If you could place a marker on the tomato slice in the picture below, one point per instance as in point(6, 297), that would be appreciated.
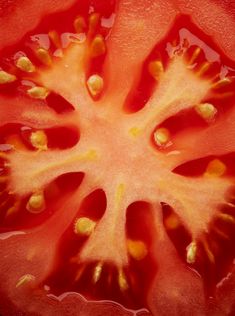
point(117, 158)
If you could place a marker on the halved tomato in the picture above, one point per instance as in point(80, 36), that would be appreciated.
point(117, 150)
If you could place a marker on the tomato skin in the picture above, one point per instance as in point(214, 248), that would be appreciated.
point(216, 18)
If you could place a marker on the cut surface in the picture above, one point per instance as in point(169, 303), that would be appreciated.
point(115, 175)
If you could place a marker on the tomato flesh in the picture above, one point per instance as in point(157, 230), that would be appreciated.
point(138, 162)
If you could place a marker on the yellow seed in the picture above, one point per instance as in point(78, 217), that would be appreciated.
point(191, 252)
point(3, 179)
point(98, 46)
point(80, 270)
point(97, 272)
point(25, 279)
point(206, 110)
point(226, 217)
point(36, 203)
point(79, 24)
point(5, 77)
point(161, 136)
point(95, 84)
point(205, 66)
point(54, 37)
point(137, 249)
point(44, 56)
point(13, 209)
point(156, 69)
point(215, 168)
point(134, 131)
point(220, 233)
point(94, 19)
point(195, 54)
point(3, 155)
point(38, 92)
point(25, 64)
point(172, 222)
point(38, 140)
point(122, 281)
point(208, 251)
point(84, 226)
point(221, 83)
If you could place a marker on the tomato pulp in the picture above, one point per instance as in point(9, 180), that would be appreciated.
point(117, 158)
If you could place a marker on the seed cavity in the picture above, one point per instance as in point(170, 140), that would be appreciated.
point(44, 56)
point(137, 249)
point(95, 84)
point(38, 93)
point(36, 203)
point(206, 110)
point(84, 226)
point(162, 136)
point(98, 46)
point(191, 252)
point(79, 24)
point(5, 77)
point(215, 168)
point(25, 64)
point(25, 279)
point(38, 140)
point(156, 69)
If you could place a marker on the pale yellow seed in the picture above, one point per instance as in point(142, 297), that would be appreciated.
point(25, 64)
point(79, 24)
point(5, 77)
point(156, 69)
point(122, 281)
point(226, 218)
point(137, 249)
point(191, 252)
point(208, 251)
point(84, 226)
point(95, 84)
point(221, 83)
point(3, 179)
point(44, 56)
point(204, 67)
point(55, 38)
point(98, 46)
point(206, 110)
point(38, 140)
point(93, 21)
point(161, 136)
point(36, 203)
point(195, 54)
point(25, 279)
point(97, 272)
point(172, 222)
point(38, 93)
point(134, 131)
point(215, 168)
